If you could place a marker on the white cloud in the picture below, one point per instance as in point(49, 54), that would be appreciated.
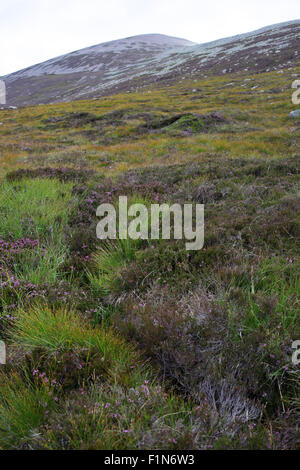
point(32, 31)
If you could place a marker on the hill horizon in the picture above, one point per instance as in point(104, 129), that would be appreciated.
point(139, 61)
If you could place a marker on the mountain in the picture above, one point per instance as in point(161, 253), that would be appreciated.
point(130, 63)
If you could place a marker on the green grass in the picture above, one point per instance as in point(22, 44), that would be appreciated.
point(63, 330)
point(26, 404)
point(114, 417)
point(41, 265)
point(37, 209)
point(23, 409)
point(112, 257)
point(34, 208)
point(278, 283)
point(108, 262)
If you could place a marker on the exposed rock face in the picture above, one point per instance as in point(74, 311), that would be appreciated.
point(129, 63)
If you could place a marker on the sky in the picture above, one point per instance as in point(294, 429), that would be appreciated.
point(32, 31)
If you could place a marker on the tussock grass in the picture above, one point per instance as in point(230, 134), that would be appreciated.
point(23, 409)
point(108, 262)
point(122, 419)
point(63, 330)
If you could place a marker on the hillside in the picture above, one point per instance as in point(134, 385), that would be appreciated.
point(132, 63)
point(137, 345)
point(85, 71)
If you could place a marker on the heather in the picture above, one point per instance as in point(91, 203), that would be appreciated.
point(141, 344)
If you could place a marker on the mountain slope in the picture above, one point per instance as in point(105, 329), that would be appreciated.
point(127, 64)
point(113, 54)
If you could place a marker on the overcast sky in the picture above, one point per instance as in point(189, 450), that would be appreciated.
point(32, 31)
